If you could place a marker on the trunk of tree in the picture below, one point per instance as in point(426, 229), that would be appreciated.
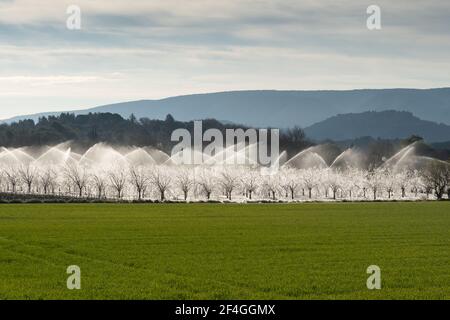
point(310, 193)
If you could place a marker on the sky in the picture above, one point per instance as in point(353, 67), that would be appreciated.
point(152, 49)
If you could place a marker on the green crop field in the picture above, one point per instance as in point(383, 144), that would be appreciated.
point(211, 251)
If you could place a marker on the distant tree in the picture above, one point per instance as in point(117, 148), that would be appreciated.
point(12, 176)
point(47, 178)
point(294, 140)
point(250, 182)
point(437, 177)
point(295, 135)
point(185, 181)
point(310, 180)
point(374, 180)
point(139, 178)
point(389, 181)
point(170, 118)
point(118, 180)
point(413, 139)
point(28, 175)
point(78, 176)
point(229, 181)
point(161, 180)
point(206, 183)
point(133, 119)
point(99, 182)
point(333, 180)
point(272, 185)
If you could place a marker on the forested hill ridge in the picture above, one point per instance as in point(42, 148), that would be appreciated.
point(87, 130)
point(388, 124)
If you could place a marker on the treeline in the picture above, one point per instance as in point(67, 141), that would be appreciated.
point(87, 130)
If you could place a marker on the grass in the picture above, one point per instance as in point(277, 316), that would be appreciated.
point(301, 251)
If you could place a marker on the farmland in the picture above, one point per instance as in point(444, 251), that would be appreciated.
point(225, 251)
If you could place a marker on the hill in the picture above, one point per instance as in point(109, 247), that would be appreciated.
point(386, 125)
point(87, 130)
point(282, 109)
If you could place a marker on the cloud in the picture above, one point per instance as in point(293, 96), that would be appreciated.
point(48, 80)
point(169, 47)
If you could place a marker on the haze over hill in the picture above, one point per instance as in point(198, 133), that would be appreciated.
point(283, 108)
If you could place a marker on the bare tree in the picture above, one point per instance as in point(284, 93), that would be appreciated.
point(185, 182)
point(12, 177)
point(118, 180)
point(99, 182)
point(271, 186)
point(416, 181)
point(389, 182)
point(47, 179)
point(250, 182)
point(334, 182)
point(374, 180)
point(78, 176)
point(403, 180)
point(310, 180)
point(162, 181)
point(28, 175)
point(289, 181)
point(437, 177)
point(139, 179)
point(229, 181)
point(206, 183)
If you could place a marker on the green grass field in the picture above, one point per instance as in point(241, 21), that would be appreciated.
point(301, 251)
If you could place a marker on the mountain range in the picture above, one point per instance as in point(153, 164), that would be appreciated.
point(283, 108)
point(324, 114)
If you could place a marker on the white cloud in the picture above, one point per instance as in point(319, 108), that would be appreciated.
point(155, 48)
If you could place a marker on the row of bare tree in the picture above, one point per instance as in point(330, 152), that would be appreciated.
point(232, 183)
